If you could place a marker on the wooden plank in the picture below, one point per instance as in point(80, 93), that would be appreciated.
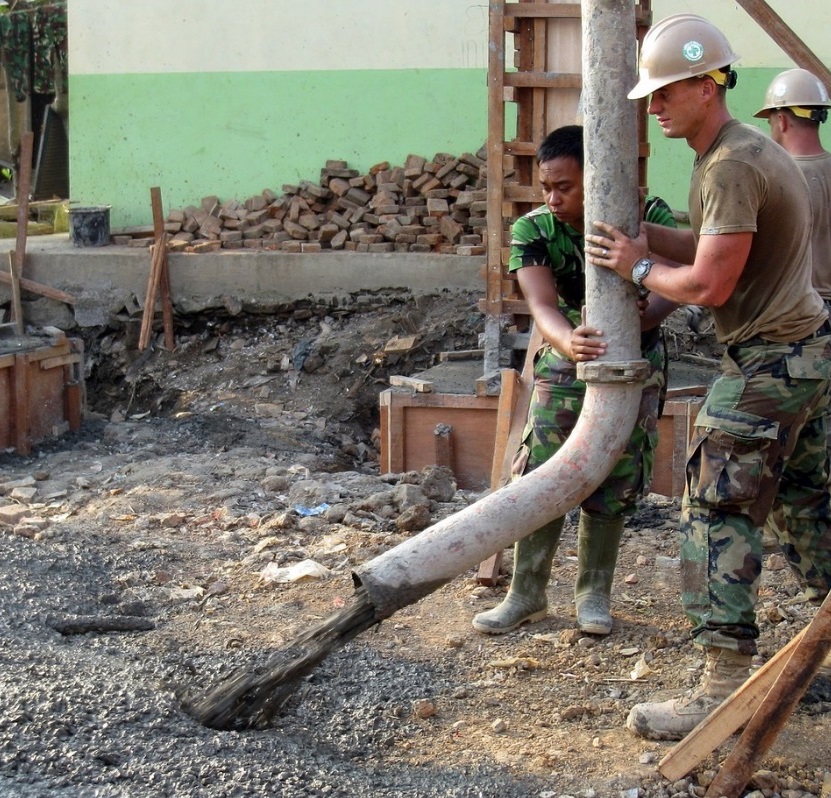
point(397, 439)
point(159, 234)
point(18, 255)
point(527, 148)
point(23, 442)
point(72, 405)
point(418, 385)
point(496, 136)
point(783, 35)
point(544, 10)
point(38, 288)
point(443, 437)
point(516, 306)
point(62, 360)
point(509, 436)
point(153, 283)
point(461, 354)
point(9, 211)
point(727, 718)
point(517, 193)
point(511, 389)
point(764, 727)
point(520, 411)
point(489, 384)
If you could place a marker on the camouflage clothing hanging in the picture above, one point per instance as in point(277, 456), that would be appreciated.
point(33, 42)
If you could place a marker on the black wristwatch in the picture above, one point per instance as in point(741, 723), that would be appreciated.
point(640, 270)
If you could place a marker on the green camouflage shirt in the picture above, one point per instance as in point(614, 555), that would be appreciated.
point(539, 239)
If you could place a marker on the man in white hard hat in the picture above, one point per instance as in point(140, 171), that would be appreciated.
point(796, 104)
point(759, 437)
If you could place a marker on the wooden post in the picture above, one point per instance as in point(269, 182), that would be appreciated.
point(775, 27)
point(444, 446)
point(727, 718)
point(21, 415)
point(511, 420)
point(17, 257)
point(164, 275)
point(35, 287)
point(766, 723)
point(152, 293)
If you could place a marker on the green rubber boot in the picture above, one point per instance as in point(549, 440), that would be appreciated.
point(526, 601)
point(598, 542)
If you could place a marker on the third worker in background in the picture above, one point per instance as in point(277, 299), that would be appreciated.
point(796, 104)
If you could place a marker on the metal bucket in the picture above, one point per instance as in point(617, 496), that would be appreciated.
point(90, 226)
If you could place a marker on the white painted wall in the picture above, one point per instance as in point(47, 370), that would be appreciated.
point(810, 19)
point(118, 37)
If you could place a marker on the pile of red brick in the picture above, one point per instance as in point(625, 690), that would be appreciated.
point(423, 206)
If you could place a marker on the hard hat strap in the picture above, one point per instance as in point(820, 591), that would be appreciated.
point(723, 77)
point(814, 114)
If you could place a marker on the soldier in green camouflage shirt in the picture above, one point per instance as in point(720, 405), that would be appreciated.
point(547, 256)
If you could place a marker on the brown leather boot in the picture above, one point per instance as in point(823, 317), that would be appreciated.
point(724, 672)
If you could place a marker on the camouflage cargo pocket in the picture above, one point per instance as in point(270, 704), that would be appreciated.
point(730, 448)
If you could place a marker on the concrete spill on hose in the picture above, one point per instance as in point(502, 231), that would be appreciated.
point(251, 697)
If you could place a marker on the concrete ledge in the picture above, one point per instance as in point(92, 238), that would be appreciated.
point(114, 277)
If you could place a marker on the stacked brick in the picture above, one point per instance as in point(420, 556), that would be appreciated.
point(423, 206)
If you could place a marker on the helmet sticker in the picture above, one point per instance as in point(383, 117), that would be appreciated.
point(693, 50)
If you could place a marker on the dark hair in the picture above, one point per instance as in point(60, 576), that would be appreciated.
point(564, 142)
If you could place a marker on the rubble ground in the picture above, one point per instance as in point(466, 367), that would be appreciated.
point(212, 508)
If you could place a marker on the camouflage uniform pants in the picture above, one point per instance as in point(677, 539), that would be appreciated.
point(759, 445)
point(555, 407)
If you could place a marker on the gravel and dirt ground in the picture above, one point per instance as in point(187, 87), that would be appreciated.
point(146, 556)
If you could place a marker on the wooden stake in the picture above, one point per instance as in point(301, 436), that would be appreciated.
point(727, 718)
point(38, 288)
point(511, 419)
point(17, 256)
point(768, 720)
point(152, 293)
point(164, 276)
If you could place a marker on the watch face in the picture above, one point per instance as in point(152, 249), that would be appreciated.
point(640, 270)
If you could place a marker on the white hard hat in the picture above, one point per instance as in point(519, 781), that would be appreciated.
point(801, 91)
point(679, 47)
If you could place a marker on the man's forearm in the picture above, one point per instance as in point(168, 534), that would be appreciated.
point(671, 243)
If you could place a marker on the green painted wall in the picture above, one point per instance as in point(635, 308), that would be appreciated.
point(213, 109)
point(671, 160)
point(234, 134)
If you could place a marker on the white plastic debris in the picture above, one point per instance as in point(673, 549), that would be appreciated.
point(305, 569)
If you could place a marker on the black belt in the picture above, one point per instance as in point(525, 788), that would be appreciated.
point(823, 329)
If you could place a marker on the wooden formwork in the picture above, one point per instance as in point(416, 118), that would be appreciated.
point(468, 433)
point(456, 430)
point(535, 80)
point(41, 389)
point(534, 75)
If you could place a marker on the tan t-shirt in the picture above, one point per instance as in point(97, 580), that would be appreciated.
point(817, 171)
point(746, 182)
